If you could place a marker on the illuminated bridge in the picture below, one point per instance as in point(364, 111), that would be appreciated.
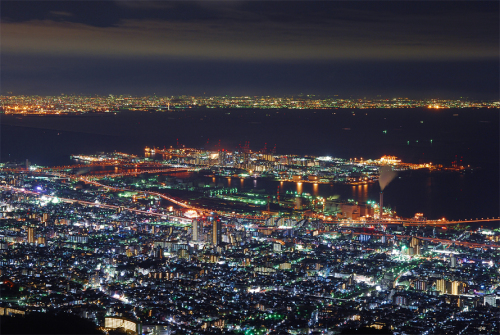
point(89, 165)
point(436, 223)
point(135, 173)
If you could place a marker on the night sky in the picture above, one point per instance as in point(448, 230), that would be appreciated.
point(446, 49)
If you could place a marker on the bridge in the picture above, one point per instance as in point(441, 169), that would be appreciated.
point(135, 173)
point(139, 165)
point(407, 222)
point(430, 239)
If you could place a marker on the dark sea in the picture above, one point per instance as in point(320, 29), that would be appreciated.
point(468, 136)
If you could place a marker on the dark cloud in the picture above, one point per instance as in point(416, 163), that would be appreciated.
point(94, 13)
point(425, 39)
point(255, 33)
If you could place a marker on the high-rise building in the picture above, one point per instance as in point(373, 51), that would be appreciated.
point(42, 240)
point(31, 235)
point(197, 229)
point(216, 232)
point(3, 245)
point(158, 252)
point(421, 285)
point(414, 242)
point(457, 288)
point(183, 253)
point(453, 261)
point(400, 300)
point(490, 300)
point(441, 286)
point(418, 250)
point(222, 157)
point(450, 287)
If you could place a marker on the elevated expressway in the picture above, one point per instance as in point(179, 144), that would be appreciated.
point(160, 168)
point(166, 216)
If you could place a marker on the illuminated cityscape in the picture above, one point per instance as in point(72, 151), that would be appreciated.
point(105, 240)
point(250, 167)
point(73, 104)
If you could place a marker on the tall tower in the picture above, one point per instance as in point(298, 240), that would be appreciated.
point(31, 235)
point(216, 232)
point(196, 231)
point(453, 261)
point(381, 204)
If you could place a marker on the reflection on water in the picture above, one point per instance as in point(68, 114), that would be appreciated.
point(299, 188)
point(365, 192)
point(408, 195)
point(360, 193)
point(315, 189)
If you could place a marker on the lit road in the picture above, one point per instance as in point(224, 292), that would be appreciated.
point(177, 202)
point(115, 175)
point(92, 180)
point(408, 222)
point(431, 239)
point(166, 216)
point(101, 164)
point(88, 165)
point(160, 168)
point(89, 203)
point(95, 183)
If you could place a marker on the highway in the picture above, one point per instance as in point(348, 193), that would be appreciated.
point(141, 168)
point(89, 203)
point(407, 222)
point(430, 239)
point(121, 189)
point(168, 217)
point(134, 173)
point(344, 224)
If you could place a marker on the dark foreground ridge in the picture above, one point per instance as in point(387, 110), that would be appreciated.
point(46, 323)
